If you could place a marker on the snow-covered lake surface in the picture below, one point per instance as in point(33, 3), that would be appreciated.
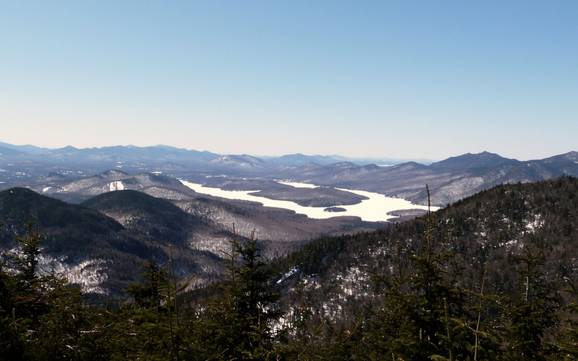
point(298, 185)
point(373, 209)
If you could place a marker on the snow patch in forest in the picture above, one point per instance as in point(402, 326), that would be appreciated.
point(533, 224)
point(353, 281)
point(89, 274)
point(288, 274)
point(116, 186)
point(510, 244)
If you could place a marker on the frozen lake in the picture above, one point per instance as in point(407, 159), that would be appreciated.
point(373, 209)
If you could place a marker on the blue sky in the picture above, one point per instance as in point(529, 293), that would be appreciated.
point(408, 79)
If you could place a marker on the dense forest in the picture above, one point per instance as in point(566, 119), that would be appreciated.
point(492, 277)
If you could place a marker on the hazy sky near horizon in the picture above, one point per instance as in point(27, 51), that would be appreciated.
point(407, 79)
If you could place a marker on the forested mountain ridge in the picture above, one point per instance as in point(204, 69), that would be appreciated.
point(486, 227)
point(100, 252)
point(103, 242)
point(505, 254)
point(492, 277)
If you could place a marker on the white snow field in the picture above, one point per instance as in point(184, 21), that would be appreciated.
point(373, 209)
point(116, 186)
point(298, 185)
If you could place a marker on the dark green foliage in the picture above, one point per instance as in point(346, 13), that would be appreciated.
point(532, 311)
point(42, 318)
point(148, 294)
point(423, 312)
point(27, 263)
point(239, 320)
point(12, 340)
point(567, 341)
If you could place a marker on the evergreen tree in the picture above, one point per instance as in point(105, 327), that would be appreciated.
point(567, 342)
point(531, 312)
point(27, 262)
point(239, 322)
point(42, 317)
point(148, 294)
point(68, 330)
point(12, 340)
point(147, 329)
point(21, 301)
point(424, 308)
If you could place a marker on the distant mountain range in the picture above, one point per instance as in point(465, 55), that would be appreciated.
point(162, 153)
point(449, 180)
